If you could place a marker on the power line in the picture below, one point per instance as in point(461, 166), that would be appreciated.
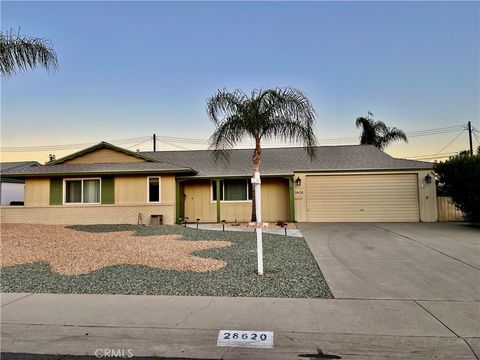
point(68, 146)
point(475, 135)
point(174, 141)
point(432, 156)
point(455, 138)
point(141, 142)
point(429, 155)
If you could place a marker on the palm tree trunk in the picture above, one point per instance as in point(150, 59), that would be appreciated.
point(257, 156)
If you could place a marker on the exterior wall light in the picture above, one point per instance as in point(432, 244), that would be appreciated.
point(428, 179)
point(298, 181)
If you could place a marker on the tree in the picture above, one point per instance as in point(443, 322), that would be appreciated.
point(284, 113)
point(377, 133)
point(20, 53)
point(459, 178)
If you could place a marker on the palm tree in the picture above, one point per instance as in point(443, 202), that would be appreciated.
point(20, 53)
point(284, 113)
point(377, 133)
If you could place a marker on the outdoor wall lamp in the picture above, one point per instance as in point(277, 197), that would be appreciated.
point(298, 181)
point(428, 178)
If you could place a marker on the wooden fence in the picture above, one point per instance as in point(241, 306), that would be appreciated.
point(447, 211)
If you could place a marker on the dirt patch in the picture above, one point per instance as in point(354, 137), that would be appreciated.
point(71, 252)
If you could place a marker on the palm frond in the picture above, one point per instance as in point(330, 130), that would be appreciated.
point(227, 134)
point(290, 116)
point(377, 133)
point(391, 135)
point(225, 104)
point(284, 113)
point(21, 53)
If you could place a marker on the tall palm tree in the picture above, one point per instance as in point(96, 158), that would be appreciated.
point(377, 133)
point(265, 114)
point(284, 113)
point(20, 53)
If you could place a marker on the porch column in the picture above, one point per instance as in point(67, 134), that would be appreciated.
point(178, 198)
point(217, 189)
point(291, 203)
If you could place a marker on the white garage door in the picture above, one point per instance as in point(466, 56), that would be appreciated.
point(355, 198)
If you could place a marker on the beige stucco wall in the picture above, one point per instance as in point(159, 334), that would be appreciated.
point(130, 199)
point(85, 214)
point(426, 194)
point(104, 156)
point(199, 204)
point(133, 189)
point(37, 192)
point(128, 190)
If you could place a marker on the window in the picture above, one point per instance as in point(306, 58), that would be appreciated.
point(153, 189)
point(233, 190)
point(82, 191)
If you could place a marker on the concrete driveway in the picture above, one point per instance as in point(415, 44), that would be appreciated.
point(418, 261)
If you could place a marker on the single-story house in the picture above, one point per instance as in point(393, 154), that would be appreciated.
point(12, 189)
point(108, 184)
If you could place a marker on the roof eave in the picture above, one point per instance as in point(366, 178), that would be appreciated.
point(364, 169)
point(118, 172)
point(204, 177)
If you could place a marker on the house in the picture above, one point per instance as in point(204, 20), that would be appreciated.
point(11, 189)
point(109, 184)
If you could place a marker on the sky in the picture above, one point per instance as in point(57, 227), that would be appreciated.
point(131, 69)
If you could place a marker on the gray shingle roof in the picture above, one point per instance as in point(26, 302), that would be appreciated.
point(285, 161)
point(17, 164)
point(201, 163)
point(98, 169)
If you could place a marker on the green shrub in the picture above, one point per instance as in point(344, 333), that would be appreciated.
point(459, 178)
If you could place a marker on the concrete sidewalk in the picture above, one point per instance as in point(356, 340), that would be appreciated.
point(178, 326)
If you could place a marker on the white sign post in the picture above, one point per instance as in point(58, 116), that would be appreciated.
point(258, 209)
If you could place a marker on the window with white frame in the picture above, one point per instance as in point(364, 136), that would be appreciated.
point(82, 191)
point(233, 190)
point(154, 189)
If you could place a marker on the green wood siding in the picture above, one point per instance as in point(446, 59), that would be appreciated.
point(108, 190)
point(56, 191)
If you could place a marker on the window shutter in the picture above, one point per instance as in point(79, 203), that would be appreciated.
point(56, 191)
point(108, 190)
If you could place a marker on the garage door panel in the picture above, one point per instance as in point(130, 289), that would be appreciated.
point(352, 198)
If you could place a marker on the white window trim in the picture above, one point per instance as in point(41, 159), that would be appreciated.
point(159, 189)
point(223, 193)
point(80, 179)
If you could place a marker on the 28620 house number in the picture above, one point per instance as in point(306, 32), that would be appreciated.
point(242, 338)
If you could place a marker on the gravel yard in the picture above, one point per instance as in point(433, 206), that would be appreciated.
point(70, 252)
point(162, 260)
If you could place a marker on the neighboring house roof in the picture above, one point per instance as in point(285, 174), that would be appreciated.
point(99, 169)
point(102, 145)
point(17, 165)
point(286, 161)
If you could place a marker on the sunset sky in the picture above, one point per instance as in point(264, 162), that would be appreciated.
point(128, 70)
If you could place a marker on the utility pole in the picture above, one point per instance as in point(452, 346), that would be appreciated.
point(469, 125)
point(154, 142)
